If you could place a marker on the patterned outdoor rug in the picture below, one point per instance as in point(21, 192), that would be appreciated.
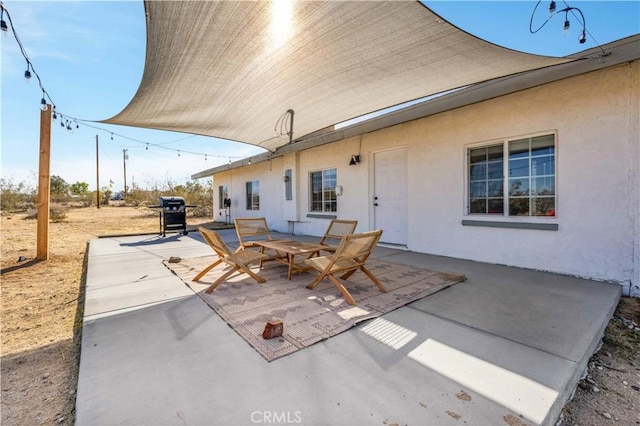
point(309, 316)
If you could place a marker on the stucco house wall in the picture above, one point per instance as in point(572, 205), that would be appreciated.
point(269, 176)
point(595, 118)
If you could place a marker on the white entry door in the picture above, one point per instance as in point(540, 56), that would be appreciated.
point(390, 195)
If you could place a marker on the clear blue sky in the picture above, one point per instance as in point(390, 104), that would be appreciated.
point(90, 57)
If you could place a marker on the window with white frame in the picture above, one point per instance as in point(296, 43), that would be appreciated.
point(322, 190)
point(513, 178)
point(253, 195)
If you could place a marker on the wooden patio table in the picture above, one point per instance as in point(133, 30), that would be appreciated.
point(291, 248)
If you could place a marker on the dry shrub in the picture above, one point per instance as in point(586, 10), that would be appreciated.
point(57, 213)
point(16, 196)
point(195, 193)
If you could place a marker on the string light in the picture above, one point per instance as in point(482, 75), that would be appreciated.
point(67, 121)
point(582, 38)
point(30, 69)
point(3, 24)
point(146, 144)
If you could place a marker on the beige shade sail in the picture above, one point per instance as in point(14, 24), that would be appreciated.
point(232, 69)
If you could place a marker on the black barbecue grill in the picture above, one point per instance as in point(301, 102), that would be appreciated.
point(173, 214)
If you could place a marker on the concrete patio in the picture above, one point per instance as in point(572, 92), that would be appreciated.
point(507, 345)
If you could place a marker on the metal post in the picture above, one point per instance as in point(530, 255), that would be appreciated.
point(290, 111)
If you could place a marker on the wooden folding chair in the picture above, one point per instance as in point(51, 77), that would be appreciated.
point(250, 230)
point(239, 261)
point(350, 256)
point(337, 229)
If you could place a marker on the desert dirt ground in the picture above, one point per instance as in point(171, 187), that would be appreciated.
point(41, 325)
point(42, 308)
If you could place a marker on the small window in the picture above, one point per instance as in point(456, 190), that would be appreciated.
point(253, 195)
point(288, 185)
point(223, 194)
point(323, 191)
point(528, 186)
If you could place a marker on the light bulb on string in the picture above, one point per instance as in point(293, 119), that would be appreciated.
point(27, 75)
point(3, 24)
point(111, 136)
point(178, 153)
point(582, 38)
point(43, 104)
point(147, 147)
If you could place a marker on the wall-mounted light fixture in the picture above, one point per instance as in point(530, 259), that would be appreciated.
point(355, 159)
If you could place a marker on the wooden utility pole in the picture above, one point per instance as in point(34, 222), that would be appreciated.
point(125, 157)
point(44, 185)
point(97, 175)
